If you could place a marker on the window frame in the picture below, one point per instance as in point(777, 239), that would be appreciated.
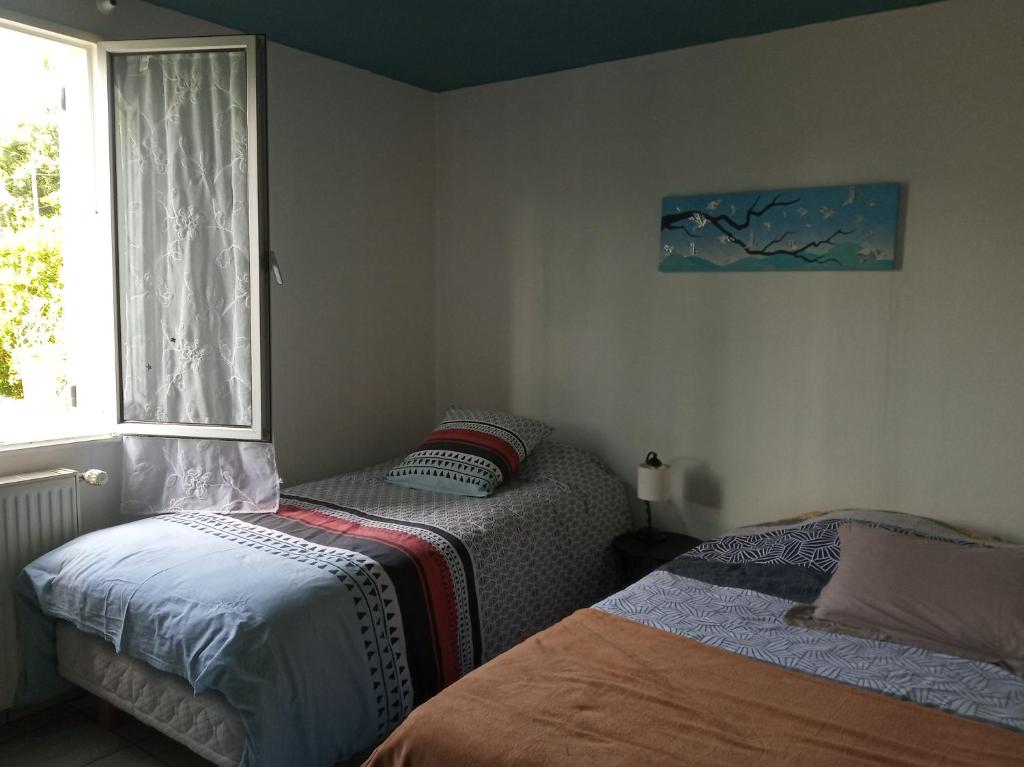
point(254, 47)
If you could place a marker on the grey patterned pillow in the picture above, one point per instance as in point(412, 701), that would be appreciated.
point(471, 452)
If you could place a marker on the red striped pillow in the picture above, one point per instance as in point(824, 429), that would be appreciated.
point(471, 452)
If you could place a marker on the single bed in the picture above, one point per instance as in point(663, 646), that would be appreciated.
point(695, 664)
point(305, 636)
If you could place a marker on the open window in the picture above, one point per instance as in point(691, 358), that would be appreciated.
point(56, 330)
point(186, 122)
point(153, 151)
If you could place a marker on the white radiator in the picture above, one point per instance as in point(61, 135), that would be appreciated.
point(38, 512)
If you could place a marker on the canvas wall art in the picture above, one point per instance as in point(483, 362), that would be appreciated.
point(851, 227)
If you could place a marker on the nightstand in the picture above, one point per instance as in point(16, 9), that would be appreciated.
point(640, 557)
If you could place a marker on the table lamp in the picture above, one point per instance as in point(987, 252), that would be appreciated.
point(652, 484)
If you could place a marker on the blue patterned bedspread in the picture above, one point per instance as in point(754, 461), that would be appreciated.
point(733, 592)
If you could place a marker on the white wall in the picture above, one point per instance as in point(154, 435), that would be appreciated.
point(773, 393)
point(352, 221)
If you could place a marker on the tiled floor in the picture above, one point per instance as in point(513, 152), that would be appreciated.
point(67, 735)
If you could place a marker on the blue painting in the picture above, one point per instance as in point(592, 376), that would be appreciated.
point(849, 227)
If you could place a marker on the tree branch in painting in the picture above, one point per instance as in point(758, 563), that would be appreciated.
point(679, 225)
point(733, 231)
point(799, 252)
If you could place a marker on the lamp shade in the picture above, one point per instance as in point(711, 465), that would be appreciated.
point(652, 482)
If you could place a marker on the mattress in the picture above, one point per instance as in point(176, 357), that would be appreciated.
point(205, 723)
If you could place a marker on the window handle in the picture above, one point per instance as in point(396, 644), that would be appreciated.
point(275, 267)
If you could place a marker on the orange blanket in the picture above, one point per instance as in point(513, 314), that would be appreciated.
point(599, 690)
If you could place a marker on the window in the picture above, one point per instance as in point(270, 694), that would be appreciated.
point(133, 272)
point(52, 383)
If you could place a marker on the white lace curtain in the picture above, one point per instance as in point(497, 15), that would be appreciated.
point(180, 158)
point(168, 475)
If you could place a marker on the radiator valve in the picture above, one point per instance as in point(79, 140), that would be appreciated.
point(95, 477)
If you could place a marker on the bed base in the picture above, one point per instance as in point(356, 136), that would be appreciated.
point(205, 723)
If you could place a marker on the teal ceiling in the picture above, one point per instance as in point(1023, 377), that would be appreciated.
point(446, 44)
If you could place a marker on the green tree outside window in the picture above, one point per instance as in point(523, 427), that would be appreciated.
point(31, 315)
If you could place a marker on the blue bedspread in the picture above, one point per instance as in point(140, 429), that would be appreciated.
point(168, 599)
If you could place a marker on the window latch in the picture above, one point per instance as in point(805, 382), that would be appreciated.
point(275, 267)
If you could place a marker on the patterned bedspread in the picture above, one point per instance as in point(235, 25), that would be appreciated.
point(733, 592)
point(324, 624)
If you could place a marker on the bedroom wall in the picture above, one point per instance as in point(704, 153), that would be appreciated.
point(771, 394)
point(352, 221)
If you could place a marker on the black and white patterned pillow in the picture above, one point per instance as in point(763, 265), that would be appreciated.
point(471, 452)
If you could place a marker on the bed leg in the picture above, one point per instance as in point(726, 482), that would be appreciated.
point(108, 716)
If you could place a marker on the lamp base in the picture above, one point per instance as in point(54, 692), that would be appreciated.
point(649, 535)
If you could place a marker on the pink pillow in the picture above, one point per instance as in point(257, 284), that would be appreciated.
point(964, 600)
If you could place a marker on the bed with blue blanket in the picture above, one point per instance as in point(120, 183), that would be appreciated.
point(320, 627)
point(696, 664)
